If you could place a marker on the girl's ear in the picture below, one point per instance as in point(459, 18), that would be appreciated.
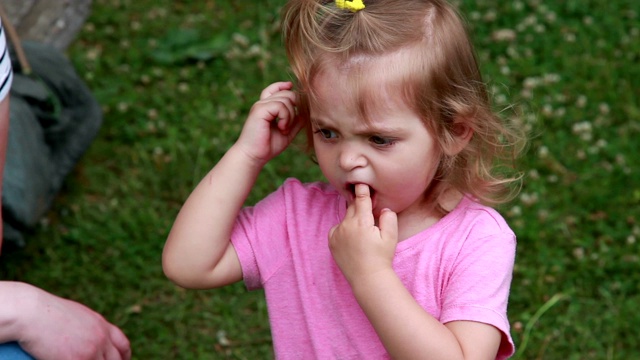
point(460, 135)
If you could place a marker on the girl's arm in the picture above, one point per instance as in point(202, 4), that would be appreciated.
point(365, 253)
point(198, 252)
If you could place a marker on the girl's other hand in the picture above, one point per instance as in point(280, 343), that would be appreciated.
point(271, 125)
point(359, 247)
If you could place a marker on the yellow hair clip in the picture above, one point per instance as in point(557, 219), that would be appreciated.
point(353, 5)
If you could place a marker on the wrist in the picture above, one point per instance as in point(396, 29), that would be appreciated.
point(372, 281)
point(17, 302)
point(242, 155)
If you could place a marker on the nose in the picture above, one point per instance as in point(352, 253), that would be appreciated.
point(351, 157)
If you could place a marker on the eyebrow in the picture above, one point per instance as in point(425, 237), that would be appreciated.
point(366, 129)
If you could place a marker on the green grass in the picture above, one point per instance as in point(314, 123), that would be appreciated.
point(176, 80)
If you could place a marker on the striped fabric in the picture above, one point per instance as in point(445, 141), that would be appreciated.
point(6, 76)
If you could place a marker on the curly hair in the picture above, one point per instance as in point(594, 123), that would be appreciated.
point(437, 74)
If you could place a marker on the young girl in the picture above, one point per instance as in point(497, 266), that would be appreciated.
point(395, 257)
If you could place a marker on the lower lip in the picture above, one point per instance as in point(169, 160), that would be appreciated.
point(352, 198)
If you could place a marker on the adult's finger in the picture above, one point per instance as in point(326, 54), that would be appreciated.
point(120, 342)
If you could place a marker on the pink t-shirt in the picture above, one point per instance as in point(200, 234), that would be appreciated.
point(458, 269)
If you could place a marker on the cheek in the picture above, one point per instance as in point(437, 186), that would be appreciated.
point(324, 159)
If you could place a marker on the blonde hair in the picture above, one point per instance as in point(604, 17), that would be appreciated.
point(439, 78)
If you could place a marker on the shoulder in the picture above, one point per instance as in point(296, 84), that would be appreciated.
point(300, 199)
point(319, 187)
point(482, 220)
point(294, 188)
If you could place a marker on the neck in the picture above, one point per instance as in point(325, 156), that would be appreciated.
point(410, 224)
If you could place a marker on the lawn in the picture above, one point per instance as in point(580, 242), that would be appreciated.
point(176, 80)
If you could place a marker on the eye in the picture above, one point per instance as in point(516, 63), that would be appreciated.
point(326, 134)
point(381, 141)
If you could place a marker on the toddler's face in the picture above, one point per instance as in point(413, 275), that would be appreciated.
point(392, 152)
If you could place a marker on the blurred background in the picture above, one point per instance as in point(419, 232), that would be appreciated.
point(175, 80)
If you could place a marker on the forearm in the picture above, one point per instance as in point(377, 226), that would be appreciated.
point(201, 233)
point(404, 327)
point(4, 134)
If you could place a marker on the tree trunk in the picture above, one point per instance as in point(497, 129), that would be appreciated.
point(54, 22)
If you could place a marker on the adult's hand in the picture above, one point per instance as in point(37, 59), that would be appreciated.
point(52, 328)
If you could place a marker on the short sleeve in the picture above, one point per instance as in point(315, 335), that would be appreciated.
point(259, 238)
point(478, 289)
point(6, 75)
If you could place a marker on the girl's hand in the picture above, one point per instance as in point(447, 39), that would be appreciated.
point(359, 247)
point(271, 125)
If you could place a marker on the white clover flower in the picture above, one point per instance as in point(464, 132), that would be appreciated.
point(504, 35)
point(534, 174)
point(530, 20)
point(254, 50)
point(526, 93)
point(551, 17)
point(531, 82)
point(543, 152)
point(531, 118)
point(240, 39)
point(515, 211)
point(93, 54)
point(529, 199)
point(490, 16)
point(604, 108)
point(152, 114)
point(582, 127)
point(581, 101)
point(543, 214)
point(183, 87)
point(551, 78)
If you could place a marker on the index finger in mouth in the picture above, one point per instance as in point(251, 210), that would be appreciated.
point(362, 199)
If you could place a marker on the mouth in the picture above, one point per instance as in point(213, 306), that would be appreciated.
point(351, 189)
